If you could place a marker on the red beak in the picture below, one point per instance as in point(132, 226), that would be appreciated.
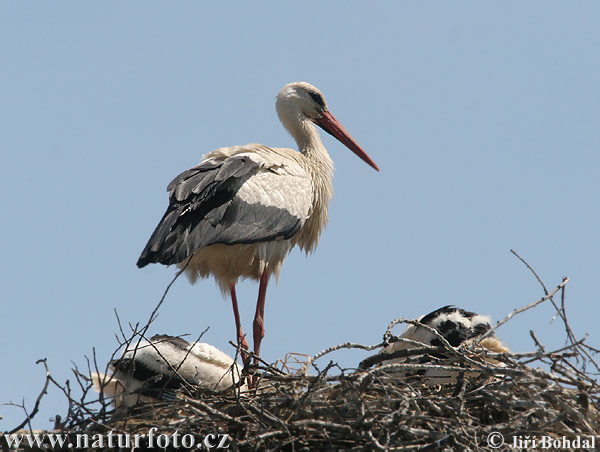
point(333, 127)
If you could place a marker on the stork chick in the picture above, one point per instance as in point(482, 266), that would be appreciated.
point(458, 327)
point(153, 370)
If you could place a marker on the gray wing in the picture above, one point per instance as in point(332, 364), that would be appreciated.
point(205, 209)
point(176, 342)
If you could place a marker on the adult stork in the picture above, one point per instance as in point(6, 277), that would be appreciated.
point(239, 212)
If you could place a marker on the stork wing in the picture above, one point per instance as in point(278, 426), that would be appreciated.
point(235, 195)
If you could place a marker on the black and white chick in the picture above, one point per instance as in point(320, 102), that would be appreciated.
point(458, 327)
point(155, 369)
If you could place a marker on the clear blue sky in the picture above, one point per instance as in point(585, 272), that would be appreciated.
point(483, 117)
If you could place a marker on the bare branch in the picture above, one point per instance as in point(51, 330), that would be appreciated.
point(36, 406)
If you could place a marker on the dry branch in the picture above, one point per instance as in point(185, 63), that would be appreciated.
point(371, 407)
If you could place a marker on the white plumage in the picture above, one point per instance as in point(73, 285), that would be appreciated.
point(279, 186)
point(154, 369)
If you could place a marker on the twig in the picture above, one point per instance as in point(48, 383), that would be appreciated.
point(344, 345)
point(523, 309)
point(531, 270)
point(36, 406)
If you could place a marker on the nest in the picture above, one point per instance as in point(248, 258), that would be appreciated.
point(371, 409)
point(542, 393)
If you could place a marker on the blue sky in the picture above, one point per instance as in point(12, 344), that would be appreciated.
point(483, 118)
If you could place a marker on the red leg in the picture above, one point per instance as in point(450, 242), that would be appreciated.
point(241, 340)
point(259, 318)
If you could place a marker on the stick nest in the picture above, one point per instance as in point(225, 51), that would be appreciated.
point(368, 408)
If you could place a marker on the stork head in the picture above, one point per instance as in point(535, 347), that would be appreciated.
point(300, 102)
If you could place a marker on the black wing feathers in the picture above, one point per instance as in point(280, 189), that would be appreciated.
point(194, 193)
point(203, 210)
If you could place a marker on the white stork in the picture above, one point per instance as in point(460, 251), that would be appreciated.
point(239, 212)
point(154, 369)
point(458, 327)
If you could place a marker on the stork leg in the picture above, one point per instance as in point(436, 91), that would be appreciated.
point(259, 320)
point(241, 340)
point(259, 317)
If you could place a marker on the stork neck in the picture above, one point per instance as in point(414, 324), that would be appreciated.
point(309, 143)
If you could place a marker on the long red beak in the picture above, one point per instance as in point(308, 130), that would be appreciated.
point(333, 127)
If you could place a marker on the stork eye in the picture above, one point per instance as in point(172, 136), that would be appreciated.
point(318, 98)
